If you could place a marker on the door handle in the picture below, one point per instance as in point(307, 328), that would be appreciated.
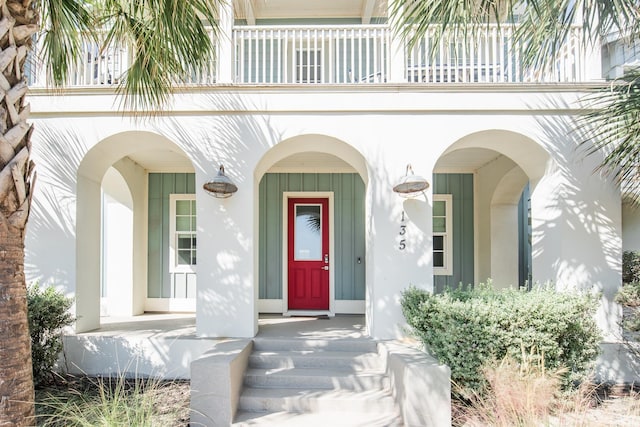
point(326, 267)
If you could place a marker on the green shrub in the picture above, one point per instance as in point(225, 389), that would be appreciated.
point(48, 312)
point(630, 266)
point(468, 329)
point(629, 294)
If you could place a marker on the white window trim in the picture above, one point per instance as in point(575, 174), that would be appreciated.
point(173, 265)
point(447, 270)
point(318, 54)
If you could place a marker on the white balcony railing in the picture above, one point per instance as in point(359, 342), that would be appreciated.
point(489, 56)
point(359, 54)
point(319, 54)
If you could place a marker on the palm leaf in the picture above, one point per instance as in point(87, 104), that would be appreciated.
point(169, 41)
point(612, 124)
point(66, 26)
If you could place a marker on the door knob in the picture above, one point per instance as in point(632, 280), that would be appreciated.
point(326, 267)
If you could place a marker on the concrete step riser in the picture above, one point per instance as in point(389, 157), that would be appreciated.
point(316, 405)
point(312, 382)
point(289, 419)
point(326, 345)
point(369, 361)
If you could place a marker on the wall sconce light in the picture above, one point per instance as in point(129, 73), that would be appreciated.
point(410, 185)
point(221, 186)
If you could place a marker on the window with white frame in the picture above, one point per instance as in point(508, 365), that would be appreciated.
point(442, 235)
point(308, 65)
point(183, 232)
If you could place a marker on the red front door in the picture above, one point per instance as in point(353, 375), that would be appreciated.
point(308, 259)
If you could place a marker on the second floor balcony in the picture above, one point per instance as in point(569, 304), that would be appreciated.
point(346, 54)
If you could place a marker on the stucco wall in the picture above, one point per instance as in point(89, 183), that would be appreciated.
point(630, 228)
point(576, 215)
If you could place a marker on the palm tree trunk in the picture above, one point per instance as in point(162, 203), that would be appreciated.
point(18, 22)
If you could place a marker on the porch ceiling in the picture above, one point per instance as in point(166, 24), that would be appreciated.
point(162, 161)
point(283, 9)
point(312, 162)
point(466, 160)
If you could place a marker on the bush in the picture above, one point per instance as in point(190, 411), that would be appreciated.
point(105, 402)
point(630, 266)
point(517, 394)
point(468, 329)
point(629, 295)
point(48, 312)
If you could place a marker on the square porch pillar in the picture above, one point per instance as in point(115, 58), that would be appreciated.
point(226, 303)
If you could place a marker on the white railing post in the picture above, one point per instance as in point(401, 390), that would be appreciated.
point(590, 68)
point(397, 60)
point(224, 55)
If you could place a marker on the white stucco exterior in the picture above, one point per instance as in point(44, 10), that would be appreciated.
point(576, 216)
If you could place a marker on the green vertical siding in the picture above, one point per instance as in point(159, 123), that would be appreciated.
point(524, 239)
point(460, 186)
point(161, 185)
point(349, 230)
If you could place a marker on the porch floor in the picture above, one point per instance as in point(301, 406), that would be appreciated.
point(164, 345)
point(183, 325)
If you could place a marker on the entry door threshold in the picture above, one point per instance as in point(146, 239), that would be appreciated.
point(309, 313)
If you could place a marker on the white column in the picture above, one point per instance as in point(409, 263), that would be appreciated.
point(397, 257)
point(136, 178)
point(87, 298)
point(226, 303)
point(225, 43)
point(504, 245)
point(118, 256)
point(630, 228)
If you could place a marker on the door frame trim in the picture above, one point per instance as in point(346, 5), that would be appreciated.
point(286, 195)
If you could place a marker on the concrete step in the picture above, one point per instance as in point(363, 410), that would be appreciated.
point(323, 419)
point(305, 378)
point(291, 344)
point(315, 359)
point(297, 400)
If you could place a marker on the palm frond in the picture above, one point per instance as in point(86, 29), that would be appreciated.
point(612, 122)
point(545, 25)
point(412, 19)
point(169, 41)
point(66, 25)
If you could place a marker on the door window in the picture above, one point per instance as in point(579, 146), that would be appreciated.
point(308, 233)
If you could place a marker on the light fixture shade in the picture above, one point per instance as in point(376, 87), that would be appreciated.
point(410, 185)
point(220, 186)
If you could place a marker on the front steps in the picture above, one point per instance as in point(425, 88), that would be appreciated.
point(316, 382)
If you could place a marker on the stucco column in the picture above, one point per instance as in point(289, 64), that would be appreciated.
point(226, 302)
point(87, 297)
point(577, 237)
point(398, 256)
point(136, 178)
point(504, 244)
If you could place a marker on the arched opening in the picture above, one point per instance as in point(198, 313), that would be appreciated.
point(115, 208)
point(293, 178)
point(489, 178)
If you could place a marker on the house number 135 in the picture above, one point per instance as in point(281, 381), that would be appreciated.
point(403, 231)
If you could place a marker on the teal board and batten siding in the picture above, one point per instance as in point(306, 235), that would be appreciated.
point(460, 186)
point(349, 230)
point(524, 239)
point(161, 282)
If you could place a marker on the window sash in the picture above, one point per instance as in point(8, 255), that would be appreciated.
point(183, 249)
point(442, 243)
